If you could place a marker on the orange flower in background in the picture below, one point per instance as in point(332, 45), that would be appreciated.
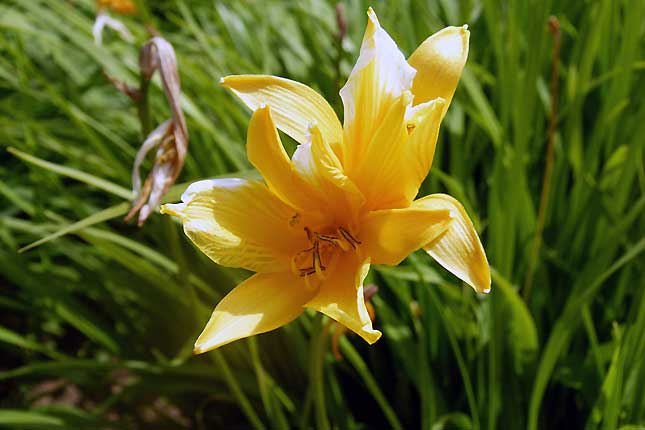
point(124, 7)
point(345, 200)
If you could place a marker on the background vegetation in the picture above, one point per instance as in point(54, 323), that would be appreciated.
point(96, 326)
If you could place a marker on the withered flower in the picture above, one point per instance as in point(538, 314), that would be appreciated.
point(170, 137)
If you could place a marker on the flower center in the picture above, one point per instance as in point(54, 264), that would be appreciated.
point(322, 252)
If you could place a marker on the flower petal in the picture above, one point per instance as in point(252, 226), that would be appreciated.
point(398, 158)
point(439, 61)
point(294, 105)
point(341, 297)
point(318, 165)
point(262, 303)
point(239, 223)
point(380, 172)
point(266, 153)
point(459, 249)
point(378, 79)
point(390, 235)
point(423, 121)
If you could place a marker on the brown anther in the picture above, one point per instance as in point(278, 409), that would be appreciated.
point(333, 240)
point(349, 238)
point(306, 272)
point(343, 240)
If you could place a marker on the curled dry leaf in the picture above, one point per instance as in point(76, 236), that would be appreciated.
point(170, 138)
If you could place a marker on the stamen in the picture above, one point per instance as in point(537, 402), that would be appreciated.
point(318, 266)
point(294, 266)
point(321, 246)
point(329, 239)
point(306, 272)
point(307, 284)
point(349, 238)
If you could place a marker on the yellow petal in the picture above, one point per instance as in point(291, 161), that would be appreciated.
point(341, 297)
point(262, 303)
point(239, 223)
point(423, 121)
point(380, 171)
point(318, 165)
point(266, 153)
point(294, 105)
point(459, 249)
point(390, 235)
point(398, 158)
point(378, 79)
point(439, 61)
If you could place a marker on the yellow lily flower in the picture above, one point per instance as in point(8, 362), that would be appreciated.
point(345, 199)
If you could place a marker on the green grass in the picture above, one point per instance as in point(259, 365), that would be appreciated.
point(97, 323)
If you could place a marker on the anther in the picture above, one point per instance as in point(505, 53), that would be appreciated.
point(348, 237)
point(318, 266)
point(306, 272)
point(333, 240)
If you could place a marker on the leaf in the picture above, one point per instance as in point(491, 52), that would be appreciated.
point(101, 216)
point(522, 334)
point(30, 420)
point(86, 178)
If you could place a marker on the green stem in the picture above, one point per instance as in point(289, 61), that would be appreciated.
point(236, 390)
point(554, 27)
point(461, 363)
point(354, 358)
point(260, 376)
point(316, 363)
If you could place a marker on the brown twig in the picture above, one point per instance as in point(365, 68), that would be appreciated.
point(131, 92)
point(554, 29)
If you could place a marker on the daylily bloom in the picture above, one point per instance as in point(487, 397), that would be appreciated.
point(345, 199)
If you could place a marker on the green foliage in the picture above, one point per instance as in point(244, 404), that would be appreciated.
point(98, 318)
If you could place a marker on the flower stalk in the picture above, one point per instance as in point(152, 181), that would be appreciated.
point(554, 29)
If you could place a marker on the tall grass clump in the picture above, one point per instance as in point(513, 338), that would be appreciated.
point(97, 319)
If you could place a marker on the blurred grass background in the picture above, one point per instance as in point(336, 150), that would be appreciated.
point(97, 326)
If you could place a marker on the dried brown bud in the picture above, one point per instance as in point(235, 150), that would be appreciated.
point(554, 24)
